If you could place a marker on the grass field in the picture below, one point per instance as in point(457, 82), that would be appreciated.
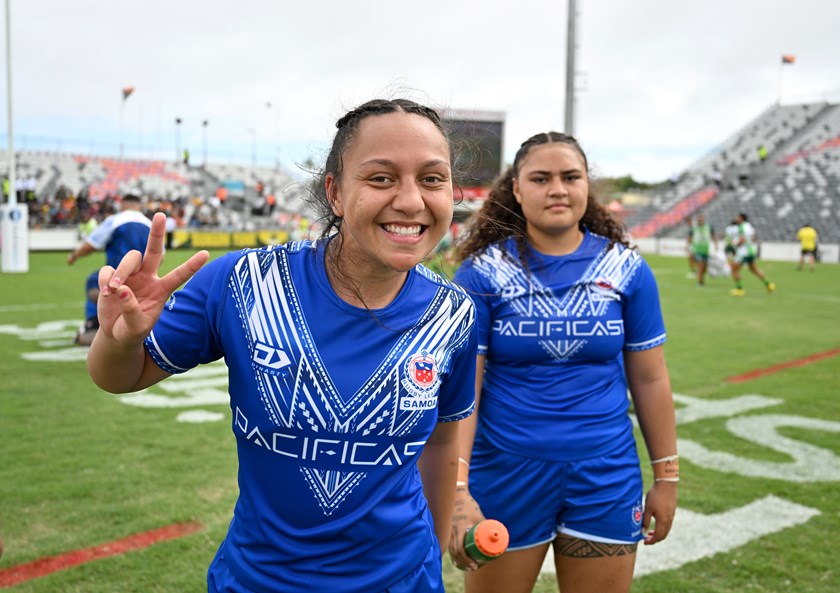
point(759, 504)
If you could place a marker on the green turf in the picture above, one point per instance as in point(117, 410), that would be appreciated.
point(78, 467)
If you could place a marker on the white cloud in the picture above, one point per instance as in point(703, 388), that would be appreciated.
point(661, 82)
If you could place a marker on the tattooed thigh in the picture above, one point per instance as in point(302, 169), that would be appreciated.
point(566, 545)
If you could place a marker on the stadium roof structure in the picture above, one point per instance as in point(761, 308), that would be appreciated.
point(474, 115)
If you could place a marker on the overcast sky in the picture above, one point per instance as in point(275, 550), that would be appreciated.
point(661, 82)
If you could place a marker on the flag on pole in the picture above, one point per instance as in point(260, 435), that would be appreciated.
point(126, 92)
point(788, 59)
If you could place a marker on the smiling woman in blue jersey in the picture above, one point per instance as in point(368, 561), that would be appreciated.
point(568, 318)
point(350, 367)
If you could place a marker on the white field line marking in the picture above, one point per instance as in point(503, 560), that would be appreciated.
point(71, 354)
point(41, 307)
point(199, 416)
point(696, 536)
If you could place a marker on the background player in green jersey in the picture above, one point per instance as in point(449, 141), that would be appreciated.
point(700, 237)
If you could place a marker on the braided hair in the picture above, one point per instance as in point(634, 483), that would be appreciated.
point(501, 215)
point(347, 127)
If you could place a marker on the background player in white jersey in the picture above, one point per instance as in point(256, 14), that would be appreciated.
point(564, 308)
point(746, 253)
point(730, 238)
point(350, 367)
point(118, 234)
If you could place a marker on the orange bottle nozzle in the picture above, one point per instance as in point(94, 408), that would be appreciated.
point(491, 537)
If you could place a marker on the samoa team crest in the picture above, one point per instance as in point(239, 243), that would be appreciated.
point(421, 375)
point(638, 512)
point(604, 289)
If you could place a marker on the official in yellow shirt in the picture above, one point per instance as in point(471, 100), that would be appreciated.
point(807, 237)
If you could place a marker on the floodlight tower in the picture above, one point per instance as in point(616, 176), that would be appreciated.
point(204, 125)
point(570, 69)
point(178, 122)
point(253, 134)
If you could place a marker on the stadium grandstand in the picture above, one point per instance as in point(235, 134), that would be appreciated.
point(796, 182)
point(62, 189)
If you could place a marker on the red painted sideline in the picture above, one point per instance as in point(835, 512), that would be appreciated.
point(44, 566)
point(782, 366)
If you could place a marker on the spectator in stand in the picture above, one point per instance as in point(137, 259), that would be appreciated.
point(569, 320)
point(221, 194)
point(171, 227)
point(87, 225)
point(366, 507)
point(807, 237)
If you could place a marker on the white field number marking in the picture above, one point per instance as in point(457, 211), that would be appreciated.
point(694, 536)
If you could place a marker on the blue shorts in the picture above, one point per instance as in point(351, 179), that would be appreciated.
point(598, 499)
point(91, 283)
point(427, 577)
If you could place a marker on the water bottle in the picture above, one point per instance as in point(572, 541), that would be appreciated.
point(486, 540)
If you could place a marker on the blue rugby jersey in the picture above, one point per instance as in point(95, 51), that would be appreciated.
point(119, 234)
point(554, 385)
point(331, 408)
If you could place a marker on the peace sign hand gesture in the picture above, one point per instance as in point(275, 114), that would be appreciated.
point(131, 298)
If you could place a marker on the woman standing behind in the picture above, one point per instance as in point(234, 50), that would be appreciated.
point(568, 318)
point(350, 367)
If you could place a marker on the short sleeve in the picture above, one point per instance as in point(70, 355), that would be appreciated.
point(468, 278)
point(186, 334)
point(644, 327)
point(101, 234)
point(456, 400)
